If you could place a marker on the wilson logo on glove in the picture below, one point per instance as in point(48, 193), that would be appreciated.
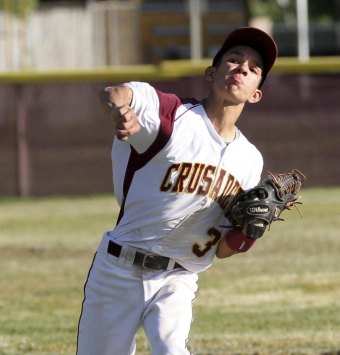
point(258, 209)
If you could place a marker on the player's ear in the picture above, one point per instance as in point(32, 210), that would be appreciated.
point(210, 73)
point(255, 97)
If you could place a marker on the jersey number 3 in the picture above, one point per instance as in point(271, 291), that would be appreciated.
point(215, 236)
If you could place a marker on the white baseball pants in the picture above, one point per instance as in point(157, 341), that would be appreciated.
point(119, 298)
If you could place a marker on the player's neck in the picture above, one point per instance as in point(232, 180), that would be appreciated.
point(226, 132)
point(223, 118)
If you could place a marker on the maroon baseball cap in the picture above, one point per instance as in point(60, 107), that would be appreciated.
point(254, 38)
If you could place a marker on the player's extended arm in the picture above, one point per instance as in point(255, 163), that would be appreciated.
point(116, 101)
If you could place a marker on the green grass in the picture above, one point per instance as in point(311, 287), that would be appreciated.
point(282, 297)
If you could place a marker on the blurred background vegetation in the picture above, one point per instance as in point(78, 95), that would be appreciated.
point(21, 8)
point(50, 34)
point(323, 12)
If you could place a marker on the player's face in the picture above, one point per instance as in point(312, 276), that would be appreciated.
point(238, 75)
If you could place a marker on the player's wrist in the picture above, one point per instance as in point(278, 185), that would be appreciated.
point(237, 241)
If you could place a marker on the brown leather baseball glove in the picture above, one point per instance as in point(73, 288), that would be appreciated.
point(255, 209)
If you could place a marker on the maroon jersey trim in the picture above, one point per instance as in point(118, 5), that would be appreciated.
point(168, 105)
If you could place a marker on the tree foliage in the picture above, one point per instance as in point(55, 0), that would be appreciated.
point(21, 8)
point(284, 10)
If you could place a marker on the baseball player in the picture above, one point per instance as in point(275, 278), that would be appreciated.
point(177, 164)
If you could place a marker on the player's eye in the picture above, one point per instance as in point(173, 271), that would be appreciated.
point(233, 60)
point(256, 70)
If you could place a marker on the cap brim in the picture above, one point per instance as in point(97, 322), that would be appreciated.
point(256, 39)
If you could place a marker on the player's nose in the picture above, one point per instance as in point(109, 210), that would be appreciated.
point(243, 68)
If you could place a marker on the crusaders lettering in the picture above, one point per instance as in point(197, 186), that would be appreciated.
point(201, 179)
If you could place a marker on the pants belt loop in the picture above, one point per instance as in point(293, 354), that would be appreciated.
point(130, 254)
point(171, 264)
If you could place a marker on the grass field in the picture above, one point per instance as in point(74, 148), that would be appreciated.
point(283, 297)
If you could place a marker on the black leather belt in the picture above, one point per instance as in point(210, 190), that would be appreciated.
point(149, 261)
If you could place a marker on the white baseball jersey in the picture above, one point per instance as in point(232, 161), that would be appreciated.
point(174, 178)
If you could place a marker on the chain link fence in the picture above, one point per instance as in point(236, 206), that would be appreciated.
point(55, 140)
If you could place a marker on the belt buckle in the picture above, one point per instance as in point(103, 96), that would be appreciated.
point(146, 262)
point(151, 262)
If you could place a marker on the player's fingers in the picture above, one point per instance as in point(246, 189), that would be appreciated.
point(127, 124)
point(127, 119)
point(124, 112)
point(122, 135)
point(124, 131)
